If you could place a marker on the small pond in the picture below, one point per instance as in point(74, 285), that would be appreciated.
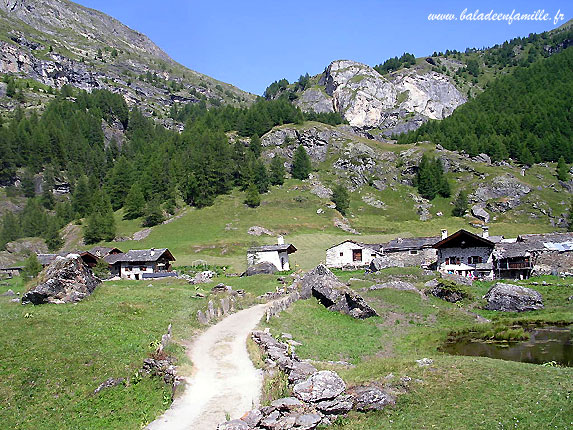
point(545, 344)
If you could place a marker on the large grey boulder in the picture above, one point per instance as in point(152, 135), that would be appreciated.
point(384, 262)
point(263, 268)
point(321, 283)
point(480, 213)
point(233, 425)
point(65, 280)
point(322, 385)
point(513, 298)
point(371, 398)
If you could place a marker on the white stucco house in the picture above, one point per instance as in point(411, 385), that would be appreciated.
point(275, 254)
point(466, 254)
point(141, 263)
point(351, 254)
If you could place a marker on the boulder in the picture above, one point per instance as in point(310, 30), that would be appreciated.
point(321, 283)
point(203, 277)
point(512, 298)
point(307, 421)
point(263, 268)
point(339, 405)
point(449, 291)
point(252, 418)
point(371, 398)
point(300, 371)
point(480, 213)
point(287, 404)
point(322, 385)
point(384, 262)
point(65, 280)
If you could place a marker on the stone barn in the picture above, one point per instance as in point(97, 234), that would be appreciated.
point(411, 251)
point(141, 263)
point(465, 254)
point(278, 254)
point(350, 254)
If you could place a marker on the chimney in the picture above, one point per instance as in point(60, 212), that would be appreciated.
point(444, 233)
point(485, 233)
point(152, 252)
point(281, 240)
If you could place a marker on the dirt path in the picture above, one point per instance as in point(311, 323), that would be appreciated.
point(224, 380)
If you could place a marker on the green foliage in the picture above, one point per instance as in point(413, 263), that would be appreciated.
point(255, 145)
point(153, 214)
point(341, 198)
point(81, 198)
point(252, 197)
point(101, 269)
point(134, 203)
point(460, 204)
point(562, 169)
point(301, 164)
point(52, 234)
point(100, 224)
point(570, 217)
point(472, 67)
point(524, 115)
point(28, 186)
point(261, 177)
point(430, 178)
point(276, 87)
point(278, 171)
point(11, 229)
point(31, 267)
point(395, 63)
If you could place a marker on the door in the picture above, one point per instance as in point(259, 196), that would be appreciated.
point(356, 255)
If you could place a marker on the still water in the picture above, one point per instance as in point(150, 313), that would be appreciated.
point(545, 344)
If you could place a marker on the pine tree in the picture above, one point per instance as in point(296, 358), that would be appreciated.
point(47, 198)
point(28, 186)
point(278, 171)
point(460, 204)
point(153, 214)
point(134, 203)
point(570, 217)
point(52, 235)
point(92, 229)
point(255, 145)
point(81, 198)
point(301, 164)
point(10, 229)
point(32, 266)
point(562, 170)
point(341, 199)
point(252, 198)
point(261, 177)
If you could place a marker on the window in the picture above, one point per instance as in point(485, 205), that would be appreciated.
point(143, 268)
point(475, 259)
point(413, 251)
point(127, 269)
point(373, 255)
point(356, 255)
point(341, 253)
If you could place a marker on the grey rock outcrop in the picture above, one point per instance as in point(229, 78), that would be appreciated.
point(65, 280)
point(506, 188)
point(264, 268)
point(371, 398)
point(380, 263)
point(367, 99)
point(513, 298)
point(321, 283)
point(480, 213)
point(315, 100)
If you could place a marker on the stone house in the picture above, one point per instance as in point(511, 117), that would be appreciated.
point(278, 254)
point(352, 255)
point(141, 263)
point(466, 254)
point(103, 251)
point(411, 251)
point(548, 253)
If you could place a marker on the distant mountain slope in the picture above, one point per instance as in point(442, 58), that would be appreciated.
point(526, 115)
point(58, 42)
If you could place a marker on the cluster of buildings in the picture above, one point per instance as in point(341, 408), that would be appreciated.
point(464, 253)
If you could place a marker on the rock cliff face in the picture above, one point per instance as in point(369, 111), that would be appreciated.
point(57, 42)
point(394, 103)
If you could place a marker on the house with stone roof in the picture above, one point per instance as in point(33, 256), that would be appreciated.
point(351, 254)
point(141, 263)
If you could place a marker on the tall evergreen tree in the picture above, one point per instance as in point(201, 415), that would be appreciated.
point(341, 198)
point(32, 266)
point(460, 204)
point(153, 214)
point(562, 170)
point(81, 198)
point(261, 177)
point(278, 171)
point(255, 145)
point(301, 164)
point(134, 203)
point(52, 235)
point(252, 197)
point(11, 229)
point(28, 186)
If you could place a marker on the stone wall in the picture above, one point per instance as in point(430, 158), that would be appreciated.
point(421, 257)
point(553, 262)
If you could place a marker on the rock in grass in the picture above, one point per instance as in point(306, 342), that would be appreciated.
point(322, 385)
point(371, 398)
point(263, 268)
point(233, 425)
point(65, 280)
point(513, 298)
point(449, 291)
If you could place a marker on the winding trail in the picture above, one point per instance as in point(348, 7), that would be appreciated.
point(224, 380)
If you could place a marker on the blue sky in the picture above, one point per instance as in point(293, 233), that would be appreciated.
point(252, 43)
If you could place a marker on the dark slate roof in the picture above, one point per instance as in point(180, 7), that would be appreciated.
point(289, 248)
point(137, 255)
point(461, 239)
point(45, 259)
point(546, 238)
point(102, 251)
point(513, 249)
point(407, 243)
